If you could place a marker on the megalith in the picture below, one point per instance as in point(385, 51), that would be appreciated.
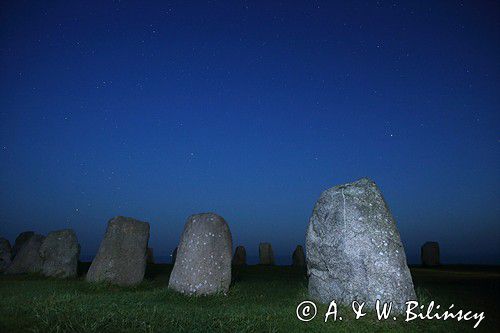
point(354, 251)
point(150, 258)
point(266, 255)
point(60, 252)
point(121, 258)
point(240, 256)
point(298, 257)
point(203, 263)
point(21, 239)
point(27, 259)
point(430, 254)
point(5, 254)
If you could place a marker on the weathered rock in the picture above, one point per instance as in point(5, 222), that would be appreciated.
point(203, 264)
point(121, 258)
point(298, 257)
point(174, 255)
point(60, 252)
point(240, 256)
point(5, 254)
point(150, 258)
point(354, 251)
point(266, 255)
point(21, 239)
point(28, 259)
point(430, 254)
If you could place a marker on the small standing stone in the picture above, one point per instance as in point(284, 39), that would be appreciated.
point(203, 264)
point(266, 255)
point(5, 254)
point(60, 252)
point(298, 257)
point(240, 256)
point(150, 259)
point(21, 239)
point(28, 259)
point(430, 254)
point(121, 258)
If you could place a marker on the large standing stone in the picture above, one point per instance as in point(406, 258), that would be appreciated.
point(174, 255)
point(266, 255)
point(298, 257)
point(60, 252)
point(21, 239)
point(240, 256)
point(28, 259)
point(203, 264)
point(354, 251)
point(5, 254)
point(430, 254)
point(121, 258)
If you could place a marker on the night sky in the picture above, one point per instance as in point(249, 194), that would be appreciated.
point(159, 110)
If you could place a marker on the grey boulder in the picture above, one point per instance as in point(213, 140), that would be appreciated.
point(266, 255)
point(21, 239)
point(298, 257)
point(354, 251)
point(430, 254)
point(60, 252)
point(203, 264)
point(28, 259)
point(240, 256)
point(5, 254)
point(121, 258)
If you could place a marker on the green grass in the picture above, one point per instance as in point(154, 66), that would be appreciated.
point(261, 299)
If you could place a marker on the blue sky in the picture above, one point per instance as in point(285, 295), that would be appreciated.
point(160, 110)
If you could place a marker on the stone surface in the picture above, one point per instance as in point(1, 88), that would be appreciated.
point(174, 255)
point(5, 254)
point(121, 258)
point(203, 264)
point(28, 259)
point(354, 251)
point(240, 256)
point(298, 257)
point(266, 255)
point(60, 252)
point(430, 254)
point(150, 258)
point(20, 240)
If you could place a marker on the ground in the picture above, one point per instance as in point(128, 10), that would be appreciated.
point(261, 299)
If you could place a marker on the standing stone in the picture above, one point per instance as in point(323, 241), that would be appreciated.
point(203, 264)
point(174, 255)
point(240, 256)
point(28, 259)
point(430, 254)
point(354, 251)
point(150, 259)
point(60, 252)
point(298, 257)
point(121, 258)
point(21, 239)
point(5, 254)
point(266, 255)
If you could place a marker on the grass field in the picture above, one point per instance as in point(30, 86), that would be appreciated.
point(261, 299)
